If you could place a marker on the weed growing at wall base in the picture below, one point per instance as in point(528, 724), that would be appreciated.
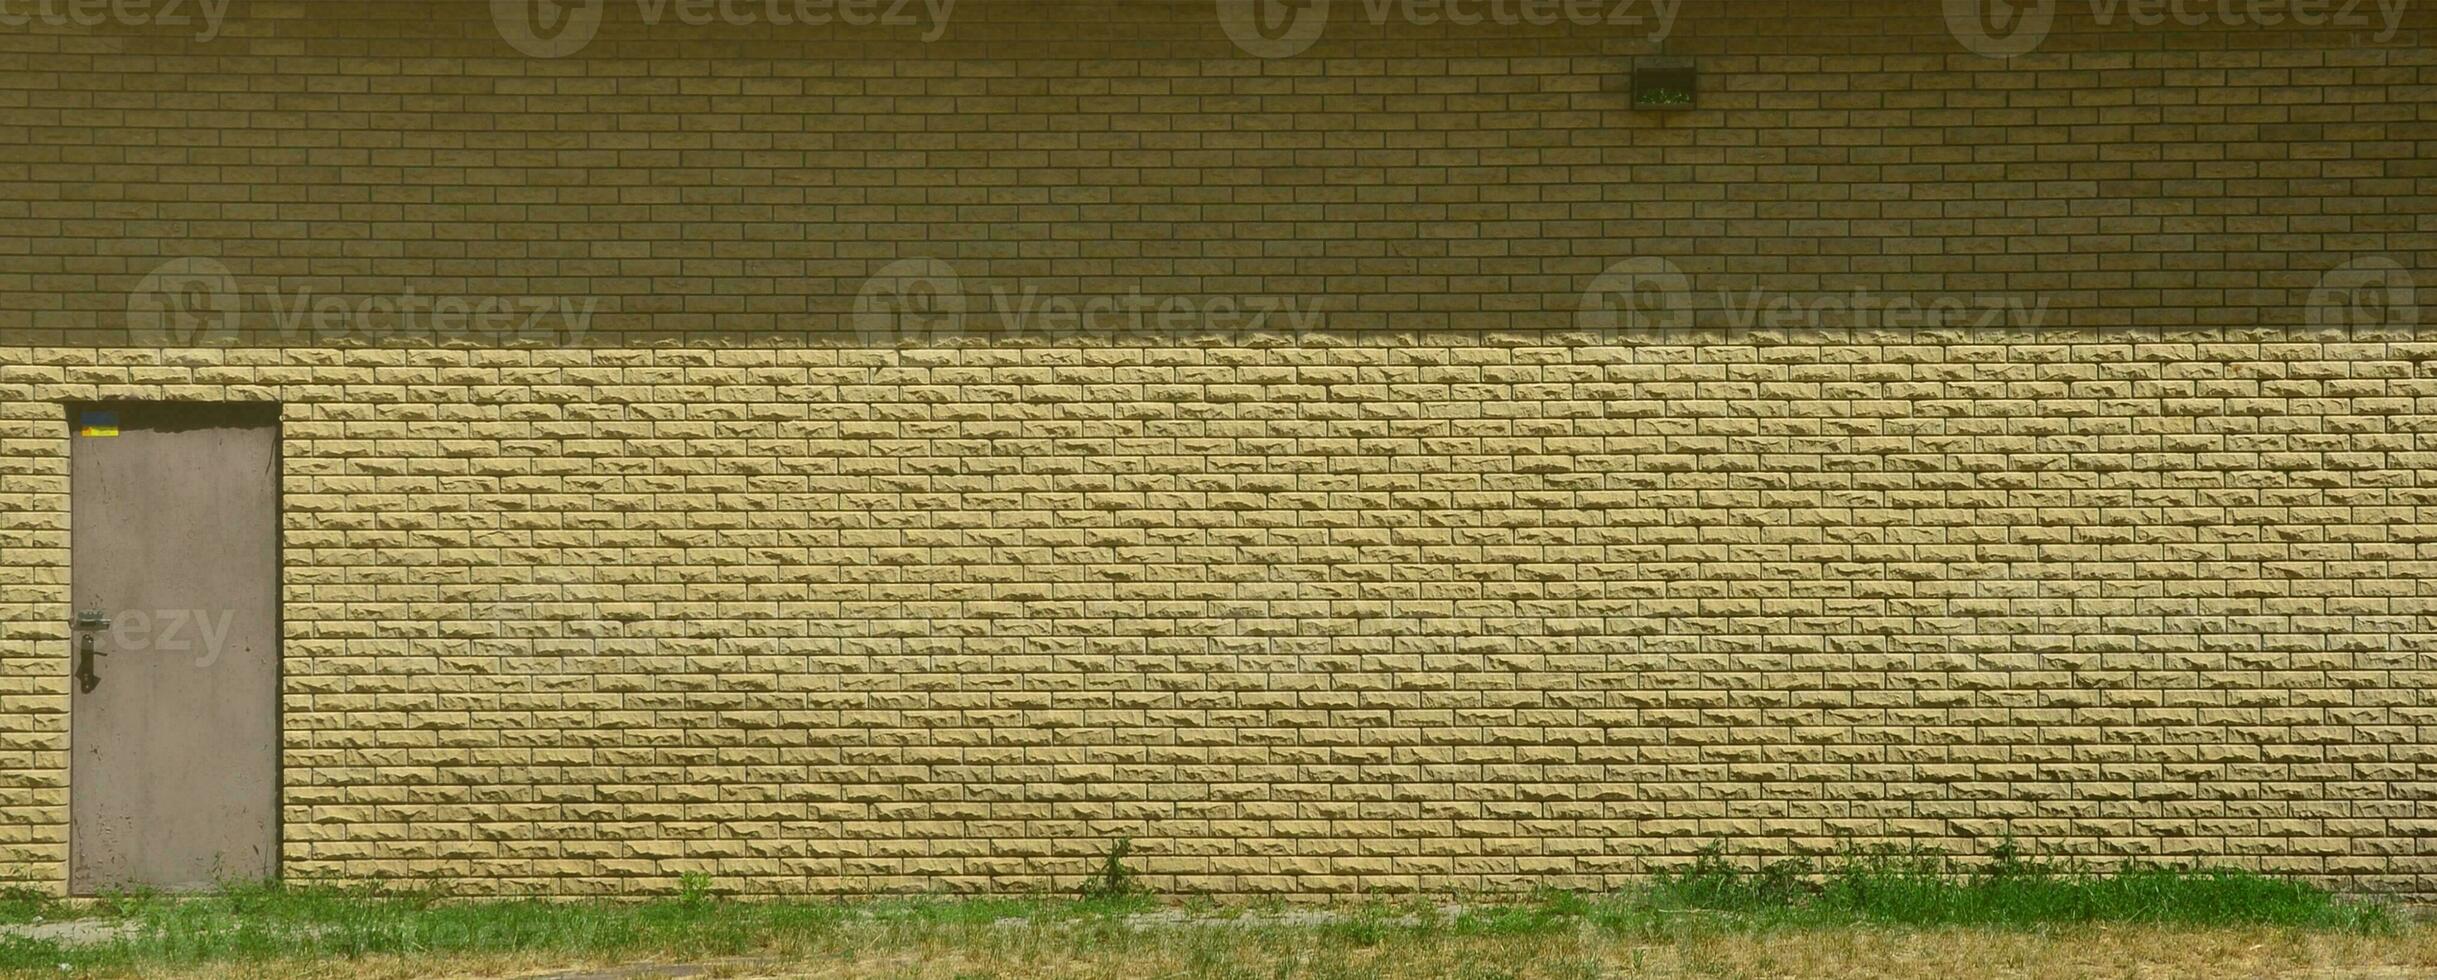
point(1913, 888)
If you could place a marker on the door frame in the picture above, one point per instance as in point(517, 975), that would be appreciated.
point(273, 416)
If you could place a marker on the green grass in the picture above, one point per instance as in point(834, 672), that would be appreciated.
point(1880, 889)
point(1916, 889)
point(20, 904)
point(259, 922)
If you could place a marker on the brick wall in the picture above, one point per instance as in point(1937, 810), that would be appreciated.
point(1499, 487)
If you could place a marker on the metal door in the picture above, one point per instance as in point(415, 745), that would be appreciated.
point(173, 719)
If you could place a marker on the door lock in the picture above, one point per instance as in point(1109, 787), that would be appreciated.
point(86, 678)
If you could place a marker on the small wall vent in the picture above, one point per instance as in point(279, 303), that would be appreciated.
point(1666, 83)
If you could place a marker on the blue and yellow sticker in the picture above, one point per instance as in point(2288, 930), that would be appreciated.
point(97, 425)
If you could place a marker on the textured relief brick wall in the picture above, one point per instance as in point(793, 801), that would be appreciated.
point(1501, 485)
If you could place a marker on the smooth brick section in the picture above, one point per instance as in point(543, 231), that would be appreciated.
point(1441, 593)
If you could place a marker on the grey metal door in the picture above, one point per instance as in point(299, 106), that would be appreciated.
point(173, 718)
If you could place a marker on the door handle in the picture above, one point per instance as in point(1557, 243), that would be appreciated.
point(86, 679)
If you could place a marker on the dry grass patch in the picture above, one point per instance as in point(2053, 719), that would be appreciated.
point(1032, 953)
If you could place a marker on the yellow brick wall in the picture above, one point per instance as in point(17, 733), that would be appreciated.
point(1396, 558)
